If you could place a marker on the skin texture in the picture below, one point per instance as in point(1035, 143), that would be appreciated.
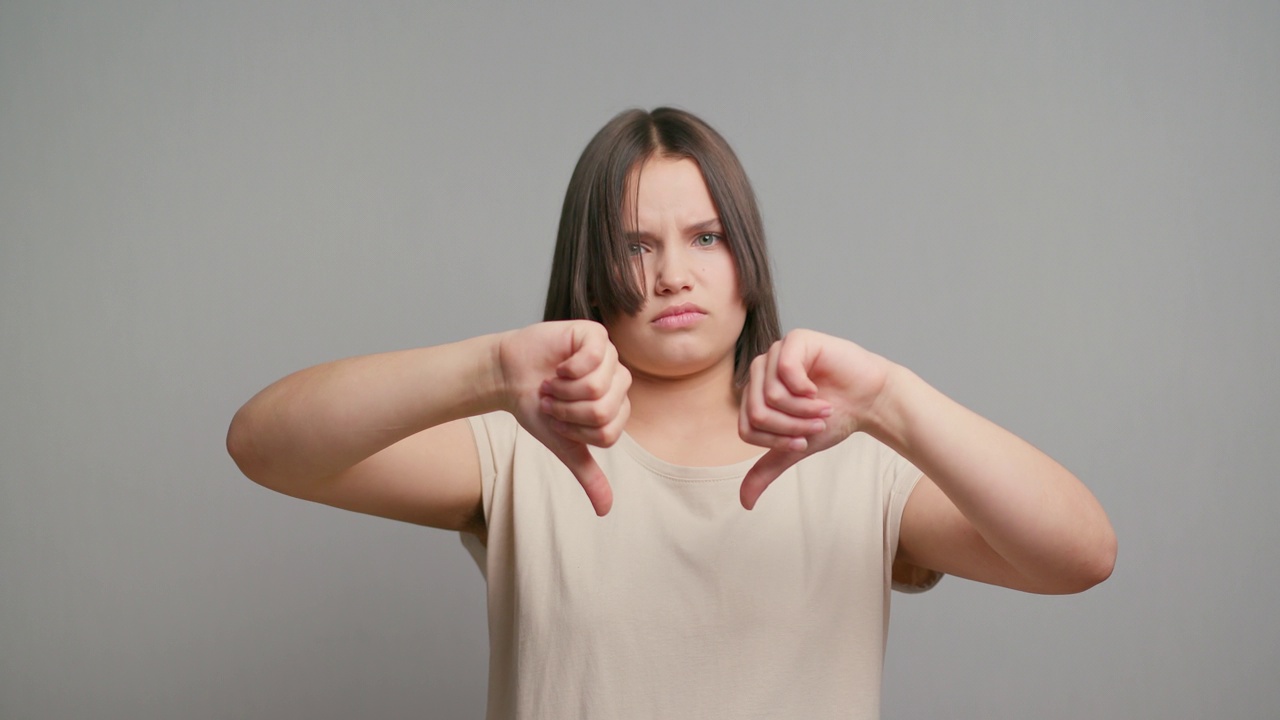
point(381, 434)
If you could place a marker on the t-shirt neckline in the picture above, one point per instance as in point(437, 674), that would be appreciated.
point(736, 471)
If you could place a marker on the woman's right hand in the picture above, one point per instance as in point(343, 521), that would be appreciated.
point(563, 382)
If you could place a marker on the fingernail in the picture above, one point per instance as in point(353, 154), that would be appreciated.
point(826, 411)
point(817, 426)
point(797, 443)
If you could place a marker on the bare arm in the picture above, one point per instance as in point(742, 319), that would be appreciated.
point(991, 507)
point(354, 433)
point(384, 434)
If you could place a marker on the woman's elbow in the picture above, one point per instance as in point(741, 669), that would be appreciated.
point(1096, 563)
point(242, 448)
point(1104, 557)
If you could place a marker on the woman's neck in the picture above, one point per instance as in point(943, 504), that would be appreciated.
point(689, 421)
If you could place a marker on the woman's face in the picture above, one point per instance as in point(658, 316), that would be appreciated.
point(693, 312)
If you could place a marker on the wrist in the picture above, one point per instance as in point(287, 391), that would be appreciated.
point(887, 418)
point(495, 385)
point(461, 379)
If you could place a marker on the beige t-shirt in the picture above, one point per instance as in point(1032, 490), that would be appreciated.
point(679, 603)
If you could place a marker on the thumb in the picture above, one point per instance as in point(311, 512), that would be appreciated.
point(763, 473)
point(577, 458)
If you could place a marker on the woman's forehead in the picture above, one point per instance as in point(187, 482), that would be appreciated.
point(667, 191)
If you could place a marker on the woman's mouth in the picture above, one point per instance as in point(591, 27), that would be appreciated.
point(679, 316)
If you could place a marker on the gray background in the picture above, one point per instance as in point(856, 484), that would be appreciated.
point(1065, 216)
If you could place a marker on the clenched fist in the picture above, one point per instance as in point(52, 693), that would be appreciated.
point(564, 384)
point(807, 393)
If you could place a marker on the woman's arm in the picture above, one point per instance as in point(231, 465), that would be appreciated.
point(991, 507)
point(384, 434)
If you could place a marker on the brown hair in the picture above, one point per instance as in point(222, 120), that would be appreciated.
point(593, 274)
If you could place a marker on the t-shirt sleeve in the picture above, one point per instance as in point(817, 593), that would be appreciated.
point(495, 437)
point(900, 480)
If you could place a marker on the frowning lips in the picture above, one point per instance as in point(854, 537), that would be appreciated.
point(679, 315)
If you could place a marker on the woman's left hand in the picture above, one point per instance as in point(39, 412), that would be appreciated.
point(807, 393)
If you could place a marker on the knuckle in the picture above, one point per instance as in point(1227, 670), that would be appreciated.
point(594, 387)
point(757, 416)
point(599, 414)
point(588, 359)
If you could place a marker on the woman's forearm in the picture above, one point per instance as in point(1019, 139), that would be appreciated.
point(1029, 509)
point(322, 420)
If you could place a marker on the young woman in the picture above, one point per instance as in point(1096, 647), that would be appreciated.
point(660, 383)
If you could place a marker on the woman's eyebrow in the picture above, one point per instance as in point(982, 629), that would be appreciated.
point(705, 225)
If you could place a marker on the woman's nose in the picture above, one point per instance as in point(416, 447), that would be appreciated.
point(671, 272)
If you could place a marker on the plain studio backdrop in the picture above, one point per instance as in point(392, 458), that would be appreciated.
point(1066, 216)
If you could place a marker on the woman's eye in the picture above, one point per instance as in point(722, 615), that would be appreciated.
point(635, 248)
point(707, 240)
